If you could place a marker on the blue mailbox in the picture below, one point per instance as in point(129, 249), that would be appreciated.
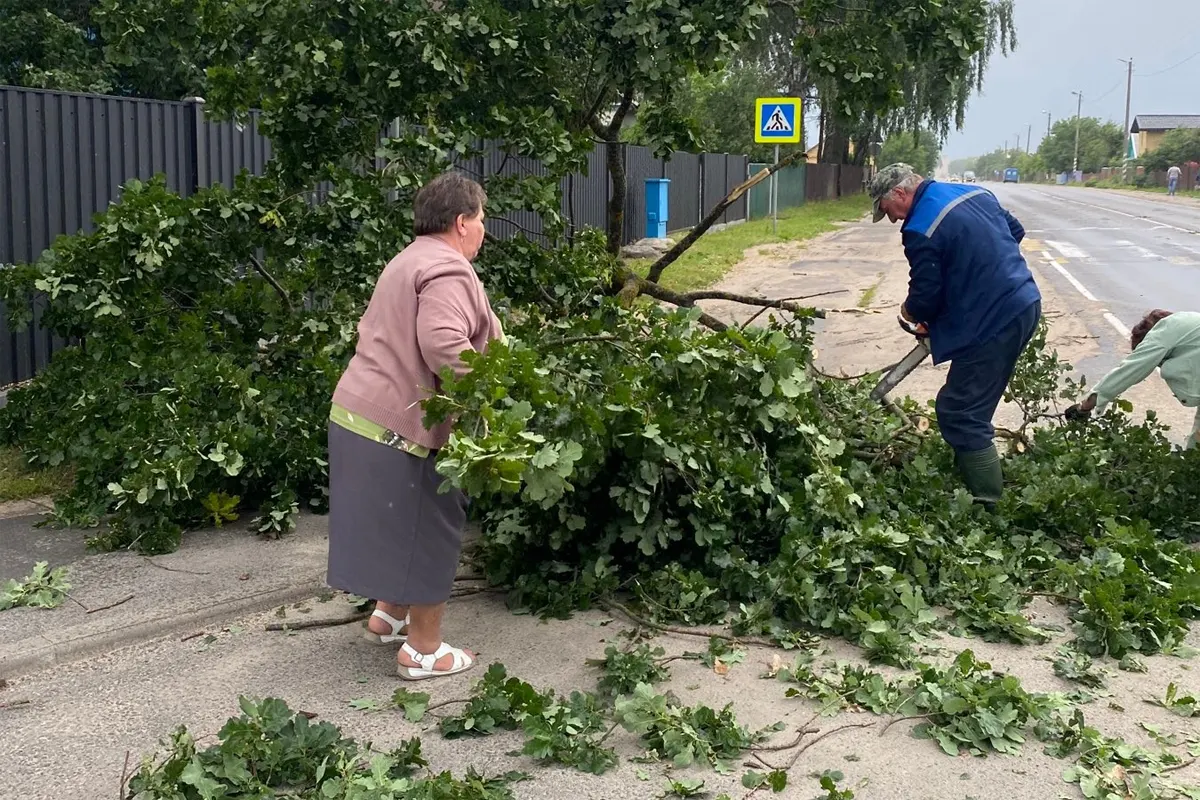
point(656, 207)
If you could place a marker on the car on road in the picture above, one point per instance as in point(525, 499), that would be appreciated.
point(1012, 175)
point(969, 176)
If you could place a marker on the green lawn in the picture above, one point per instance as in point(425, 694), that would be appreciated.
point(19, 482)
point(711, 258)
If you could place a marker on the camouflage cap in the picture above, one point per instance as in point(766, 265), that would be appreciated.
point(884, 181)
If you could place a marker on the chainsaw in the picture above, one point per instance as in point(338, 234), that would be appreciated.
point(902, 370)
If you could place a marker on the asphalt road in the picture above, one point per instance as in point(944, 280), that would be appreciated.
point(1124, 252)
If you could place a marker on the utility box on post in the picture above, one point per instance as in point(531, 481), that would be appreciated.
point(656, 207)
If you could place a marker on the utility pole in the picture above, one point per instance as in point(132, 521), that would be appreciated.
point(1028, 138)
point(1047, 113)
point(1078, 112)
point(1128, 97)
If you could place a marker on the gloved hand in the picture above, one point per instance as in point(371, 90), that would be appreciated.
point(916, 329)
point(1077, 413)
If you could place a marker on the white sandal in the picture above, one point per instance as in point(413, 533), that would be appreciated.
point(462, 663)
point(398, 633)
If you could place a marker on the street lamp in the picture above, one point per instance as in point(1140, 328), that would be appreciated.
point(1078, 111)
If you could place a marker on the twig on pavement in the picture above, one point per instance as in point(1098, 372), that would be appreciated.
point(122, 601)
point(893, 721)
point(154, 563)
point(316, 623)
point(124, 777)
point(71, 597)
point(445, 703)
point(191, 636)
point(796, 756)
point(747, 640)
point(779, 747)
point(14, 704)
point(829, 732)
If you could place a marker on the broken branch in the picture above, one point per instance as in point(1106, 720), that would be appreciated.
point(763, 310)
point(892, 722)
point(668, 258)
point(269, 278)
point(689, 299)
point(316, 623)
point(613, 605)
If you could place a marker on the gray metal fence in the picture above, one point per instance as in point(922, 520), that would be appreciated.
point(64, 157)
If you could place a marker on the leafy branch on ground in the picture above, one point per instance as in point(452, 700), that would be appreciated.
point(686, 734)
point(270, 750)
point(623, 670)
point(1072, 665)
point(42, 588)
point(1184, 705)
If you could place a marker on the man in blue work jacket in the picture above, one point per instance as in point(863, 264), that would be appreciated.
point(971, 292)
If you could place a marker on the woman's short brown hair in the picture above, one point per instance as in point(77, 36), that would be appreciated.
point(439, 202)
point(1144, 327)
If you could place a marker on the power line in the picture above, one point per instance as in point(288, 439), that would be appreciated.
point(1173, 66)
point(1110, 91)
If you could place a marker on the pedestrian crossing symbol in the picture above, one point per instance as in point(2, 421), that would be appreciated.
point(778, 120)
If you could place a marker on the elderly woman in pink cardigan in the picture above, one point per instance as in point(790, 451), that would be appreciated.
point(392, 536)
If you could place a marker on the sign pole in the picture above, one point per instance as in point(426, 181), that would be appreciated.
point(775, 196)
point(778, 120)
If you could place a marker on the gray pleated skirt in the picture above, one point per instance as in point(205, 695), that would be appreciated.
point(392, 536)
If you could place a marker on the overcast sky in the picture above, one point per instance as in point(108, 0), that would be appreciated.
point(1072, 45)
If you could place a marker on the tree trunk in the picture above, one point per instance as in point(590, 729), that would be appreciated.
point(821, 135)
point(836, 147)
point(615, 160)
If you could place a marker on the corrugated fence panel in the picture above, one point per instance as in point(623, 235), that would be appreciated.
point(792, 181)
point(791, 190)
point(511, 223)
point(585, 197)
point(735, 175)
point(63, 158)
point(821, 182)
point(683, 193)
point(224, 149)
point(640, 164)
point(850, 180)
point(713, 181)
point(759, 197)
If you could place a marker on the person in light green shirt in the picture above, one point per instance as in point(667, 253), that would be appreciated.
point(1164, 340)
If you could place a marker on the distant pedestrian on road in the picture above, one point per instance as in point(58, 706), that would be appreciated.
point(1162, 339)
point(1173, 175)
point(392, 536)
point(971, 292)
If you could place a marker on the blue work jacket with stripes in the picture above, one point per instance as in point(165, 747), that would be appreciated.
point(967, 276)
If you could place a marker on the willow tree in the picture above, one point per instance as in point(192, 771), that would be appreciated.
point(882, 65)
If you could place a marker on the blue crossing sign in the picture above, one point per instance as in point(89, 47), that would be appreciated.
point(778, 120)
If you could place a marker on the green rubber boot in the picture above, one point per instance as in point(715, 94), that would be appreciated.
point(983, 474)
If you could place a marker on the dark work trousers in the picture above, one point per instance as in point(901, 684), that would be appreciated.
point(977, 380)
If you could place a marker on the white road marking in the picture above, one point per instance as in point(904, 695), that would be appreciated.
point(1067, 249)
point(1142, 251)
point(1109, 317)
point(1069, 230)
point(1083, 290)
point(1116, 323)
point(1119, 213)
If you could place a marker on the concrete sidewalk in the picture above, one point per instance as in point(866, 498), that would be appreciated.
point(215, 576)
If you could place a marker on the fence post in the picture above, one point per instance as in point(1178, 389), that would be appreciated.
point(198, 145)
